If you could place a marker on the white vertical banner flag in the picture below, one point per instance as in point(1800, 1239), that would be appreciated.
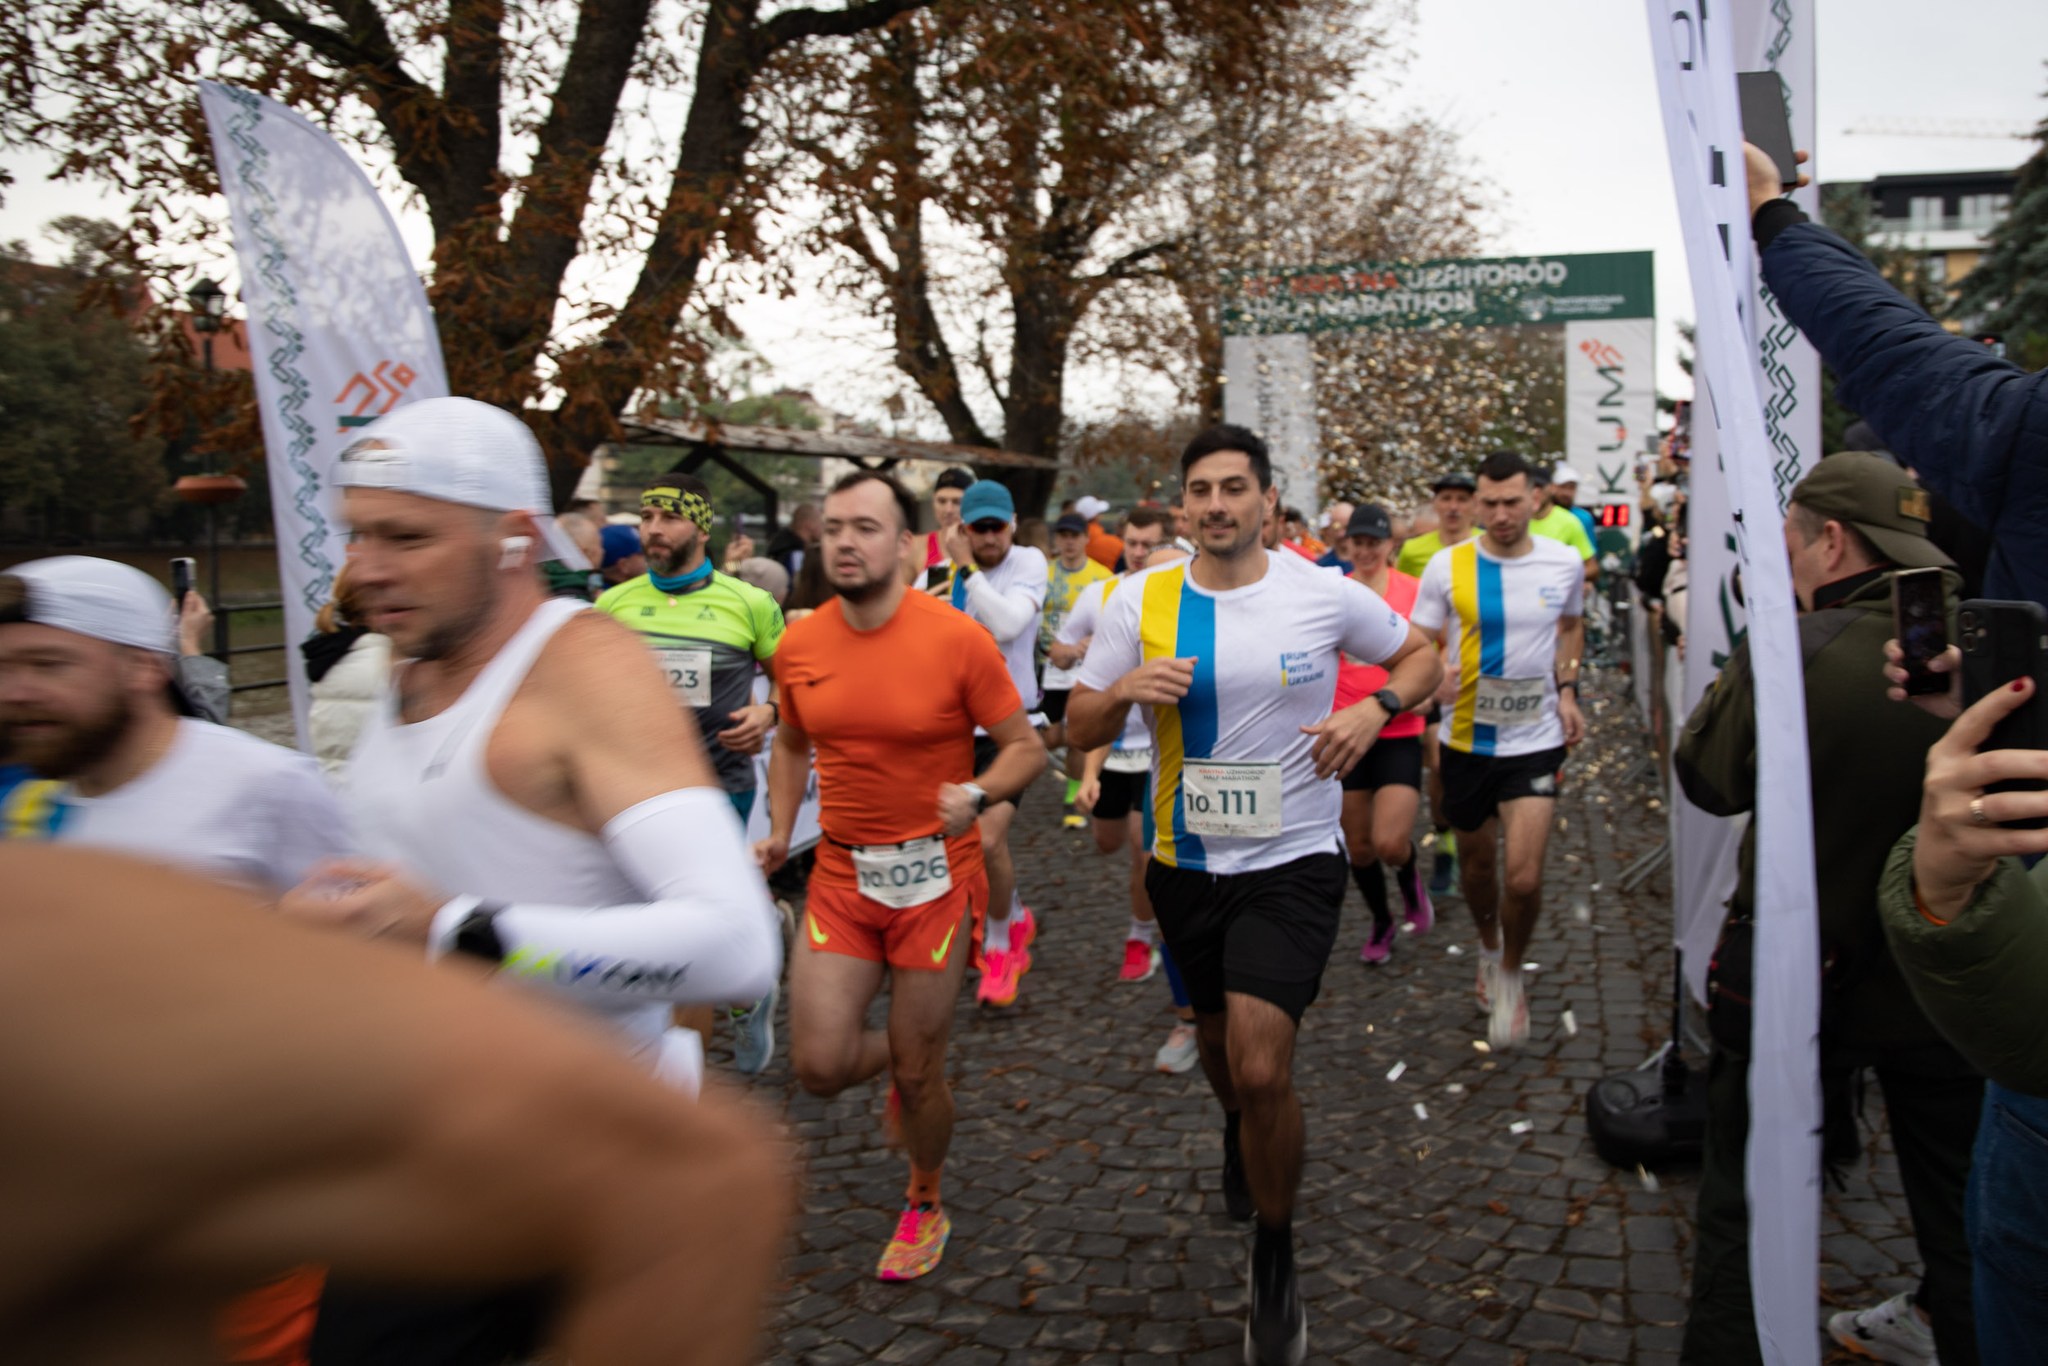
point(1269, 385)
point(1610, 404)
point(1703, 847)
point(1693, 49)
point(1777, 35)
point(339, 328)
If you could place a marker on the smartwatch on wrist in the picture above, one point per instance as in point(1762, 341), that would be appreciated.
point(1390, 701)
point(477, 935)
point(980, 795)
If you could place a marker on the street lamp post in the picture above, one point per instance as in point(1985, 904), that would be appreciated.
point(209, 314)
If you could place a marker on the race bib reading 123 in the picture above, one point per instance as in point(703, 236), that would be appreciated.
point(1230, 800)
point(1510, 701)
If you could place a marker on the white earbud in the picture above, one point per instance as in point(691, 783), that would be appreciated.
point(512, 551)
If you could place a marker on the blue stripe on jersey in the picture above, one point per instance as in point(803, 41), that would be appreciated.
point(959, 590)
point(1198, 710)
point(1493, 641)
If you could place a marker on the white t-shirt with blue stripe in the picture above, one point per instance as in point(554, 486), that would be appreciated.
point(1265, 666)
point(1502, 640)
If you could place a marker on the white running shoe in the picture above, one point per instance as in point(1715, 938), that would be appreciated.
point(1489, 973)
point(1180, 1051)
point(1892, 1331)
point(1508, 1022)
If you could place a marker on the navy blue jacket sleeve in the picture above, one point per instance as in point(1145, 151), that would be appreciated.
point(1973, 426)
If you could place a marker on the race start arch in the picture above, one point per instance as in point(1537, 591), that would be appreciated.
point(1603, 304)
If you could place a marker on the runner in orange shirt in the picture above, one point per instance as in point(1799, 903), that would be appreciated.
point(886, 687)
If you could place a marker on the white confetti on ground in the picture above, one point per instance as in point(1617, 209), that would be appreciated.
point(1456, 1088)
point(1520, 1126)
point(1570, 1022)
point(1481, 1046)
point(1421, 1110)
point(1394, 1072)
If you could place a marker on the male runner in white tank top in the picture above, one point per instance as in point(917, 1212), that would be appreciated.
point(535, 798)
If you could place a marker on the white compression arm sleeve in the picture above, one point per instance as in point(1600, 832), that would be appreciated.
point(1006, 616)
point(708, 933)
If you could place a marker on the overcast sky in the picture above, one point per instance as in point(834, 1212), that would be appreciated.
point(1555, 105)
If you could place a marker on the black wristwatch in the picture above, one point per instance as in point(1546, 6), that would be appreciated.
point(979, 794)
point(477, 935)
point(1571, 683)
point(1390, 701)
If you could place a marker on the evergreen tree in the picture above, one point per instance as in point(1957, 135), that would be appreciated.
point(2008, 291)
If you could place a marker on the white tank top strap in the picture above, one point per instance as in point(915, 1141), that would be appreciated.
point(497, 681)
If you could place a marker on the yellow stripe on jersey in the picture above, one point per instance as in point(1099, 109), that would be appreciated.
point(1465, 602)
point(1159, 637)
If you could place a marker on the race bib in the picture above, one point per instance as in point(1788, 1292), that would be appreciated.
point(1506, 702)
point(1129, 761)
point(1231, 800)
point(904, 875)
point(689, 673)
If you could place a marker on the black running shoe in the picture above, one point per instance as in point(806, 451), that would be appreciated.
point(1237, 1191)
point(1275, 1324)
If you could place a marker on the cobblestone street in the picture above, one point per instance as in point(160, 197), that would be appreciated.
point(1454, 1213)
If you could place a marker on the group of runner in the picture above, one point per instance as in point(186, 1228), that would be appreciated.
point(1249, 729)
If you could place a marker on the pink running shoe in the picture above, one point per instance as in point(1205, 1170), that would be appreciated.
point(1421, 911)
point(1141, 960)
point(1379, 947)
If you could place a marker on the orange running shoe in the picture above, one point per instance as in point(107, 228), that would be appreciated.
point(919, 1242)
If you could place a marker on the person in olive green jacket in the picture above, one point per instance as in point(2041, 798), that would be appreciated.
point(1968, 926)
point(1853, 522)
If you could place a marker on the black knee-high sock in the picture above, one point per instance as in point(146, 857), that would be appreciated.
point(1372, 885)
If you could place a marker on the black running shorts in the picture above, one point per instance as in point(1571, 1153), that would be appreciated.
point(1389, 763)
point(984, 755)
point(1122, 793)
point(1475, 785)
point(1053, 702)
point(1266, 933)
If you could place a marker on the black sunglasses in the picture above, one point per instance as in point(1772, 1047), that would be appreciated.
point(987, 527)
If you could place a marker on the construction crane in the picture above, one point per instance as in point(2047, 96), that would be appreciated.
point(1939, 128)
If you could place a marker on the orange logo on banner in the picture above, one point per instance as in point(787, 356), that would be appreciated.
point(381, 389)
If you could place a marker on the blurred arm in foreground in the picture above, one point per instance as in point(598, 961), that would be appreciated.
point(298, 1097)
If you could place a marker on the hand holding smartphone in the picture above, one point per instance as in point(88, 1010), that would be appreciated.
point(2002, 642)
point(183, 569)
point(1920, 624)
point(1765, 123)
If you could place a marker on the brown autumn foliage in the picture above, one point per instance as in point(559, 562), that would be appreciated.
point(538, 138)
point(1019, 190)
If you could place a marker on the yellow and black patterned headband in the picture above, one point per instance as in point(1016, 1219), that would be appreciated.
point(694, 506)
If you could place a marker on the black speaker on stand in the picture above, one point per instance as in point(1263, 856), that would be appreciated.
point(1656, 1114)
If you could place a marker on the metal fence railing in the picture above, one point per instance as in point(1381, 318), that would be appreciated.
point(226, 651)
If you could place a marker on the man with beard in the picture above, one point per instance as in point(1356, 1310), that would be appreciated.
point(88, 651)
point(1235, 653)
point(887, 687)
point(536, 799)
point(710, 631)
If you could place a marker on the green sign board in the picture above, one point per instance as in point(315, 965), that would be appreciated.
point(1507, 291)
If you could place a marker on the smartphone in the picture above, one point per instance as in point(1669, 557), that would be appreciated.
point(1765, 122)
point(1920, 622)
point(2002, 642)
point(182, 573)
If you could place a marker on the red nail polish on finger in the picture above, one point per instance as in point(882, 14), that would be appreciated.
point(2019, 685)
